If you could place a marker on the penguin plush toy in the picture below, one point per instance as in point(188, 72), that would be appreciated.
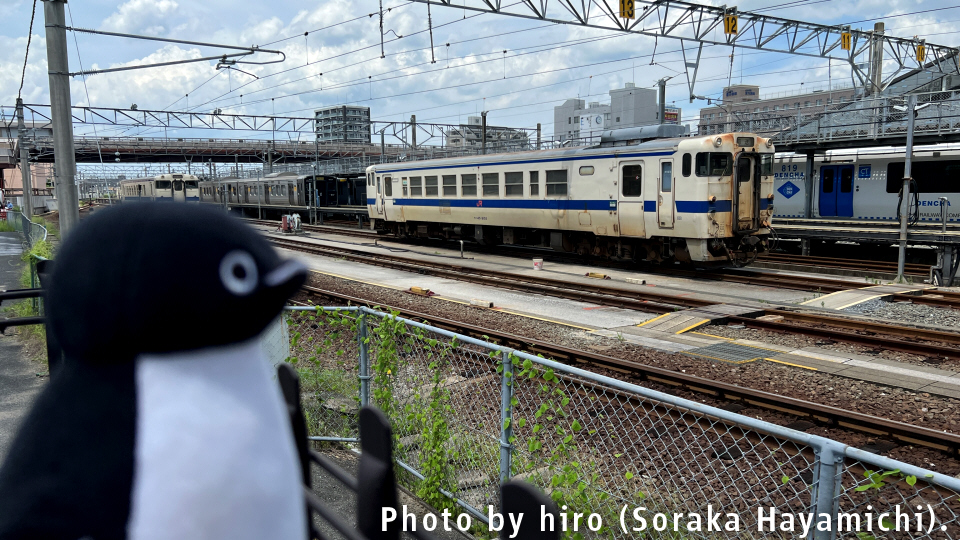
point(164, 419)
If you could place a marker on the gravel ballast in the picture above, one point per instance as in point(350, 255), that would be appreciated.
point(898, 404)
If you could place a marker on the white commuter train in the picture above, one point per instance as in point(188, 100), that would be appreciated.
point(165, 187)
point(636, 196)
point(864, 184)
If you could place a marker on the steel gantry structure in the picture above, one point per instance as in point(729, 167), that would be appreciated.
point(704, 25)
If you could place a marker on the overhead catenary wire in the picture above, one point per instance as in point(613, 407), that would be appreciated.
point(86, 91)
point(26, 55)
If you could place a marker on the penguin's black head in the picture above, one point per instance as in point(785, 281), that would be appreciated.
point(155, 278)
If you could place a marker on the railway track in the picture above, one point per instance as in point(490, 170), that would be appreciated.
point(899, 432)
point(911, 269)
point(932, 344)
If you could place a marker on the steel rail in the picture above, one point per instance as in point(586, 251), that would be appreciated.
point(933, 343)
point(814, 412)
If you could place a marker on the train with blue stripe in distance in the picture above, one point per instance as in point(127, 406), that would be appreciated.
point(642, 194)
point(163, 188)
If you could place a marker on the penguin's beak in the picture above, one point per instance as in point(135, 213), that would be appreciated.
point(288, 276)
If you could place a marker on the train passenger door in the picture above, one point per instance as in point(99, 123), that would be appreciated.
point(380, 193)
point(665, 198)
point(747, 178)
point(836, 191)
point(630, 199)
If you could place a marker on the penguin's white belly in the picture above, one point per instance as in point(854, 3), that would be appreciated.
point(214, 453)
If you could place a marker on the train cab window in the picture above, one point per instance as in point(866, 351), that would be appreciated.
point(766, 164)
point(491, 184)
point(714, 164)
point(430, 186)
point(632, 181)
point(191, 184)
point(557, 183)
point(388, 186)
point(468, 185)
point(534, 183)
point(449, 185)
point(162, 184)
point(666, 177)
point(513, 184)
point(416, 186)
point(686, 165)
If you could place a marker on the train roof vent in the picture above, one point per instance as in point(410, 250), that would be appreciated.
point(637, 135)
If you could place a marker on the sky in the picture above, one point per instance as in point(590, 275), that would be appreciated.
point(516, 69)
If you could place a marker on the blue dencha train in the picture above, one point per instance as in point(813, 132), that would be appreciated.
point(864, 184)
point(636, 196)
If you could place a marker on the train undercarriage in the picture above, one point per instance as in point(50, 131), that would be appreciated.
point(737, 251)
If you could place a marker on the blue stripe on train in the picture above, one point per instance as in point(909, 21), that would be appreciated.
point(685, 207)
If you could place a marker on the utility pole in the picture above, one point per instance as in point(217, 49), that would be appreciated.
point(65, 168)
point(483, 132)
point(662, 84)
point(413, 131)
point(907, 178)
point(538, 135)
point(27, 206)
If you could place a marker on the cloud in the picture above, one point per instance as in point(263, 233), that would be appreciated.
point(131, 15)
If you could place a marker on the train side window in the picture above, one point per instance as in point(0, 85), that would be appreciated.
point(491, 184)
point(714, 164)
point(632, 181)
point(468, 185)
point(702, 168)
point(449, 185)
point(827, 175)
point(766, 164)
point(666, 177)
point(557, 183)
point(416, 189)
point(388, 186)
point(931, 176)
point(430, 186)
point(687, 159)
point(534, 183)
point(513, 184)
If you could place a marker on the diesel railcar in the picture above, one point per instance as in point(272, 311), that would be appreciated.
point(165, 187)
point(642, 194)
point(864, 184)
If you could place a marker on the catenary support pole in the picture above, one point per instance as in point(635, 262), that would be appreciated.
point(808, 188)
point(907, 178)
point(483, 132)
point(65, 167)
point(27, 206)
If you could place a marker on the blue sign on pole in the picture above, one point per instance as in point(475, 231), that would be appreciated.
point(864, 171)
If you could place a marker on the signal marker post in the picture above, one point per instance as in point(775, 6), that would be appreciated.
point(627, 9)
point(846, 40)
point(730, 24)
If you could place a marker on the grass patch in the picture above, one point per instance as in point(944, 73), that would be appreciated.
point(6, 226)
point(34, 336)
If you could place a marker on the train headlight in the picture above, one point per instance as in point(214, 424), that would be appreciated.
point(712, 199)
point(769, 143)
point(718, 142)
point(770, 197)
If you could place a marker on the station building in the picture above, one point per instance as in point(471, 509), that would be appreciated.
point(743, 109)
point(469, 135)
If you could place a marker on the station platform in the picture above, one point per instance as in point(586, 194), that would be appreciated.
point(852, 297)
point(868, 231)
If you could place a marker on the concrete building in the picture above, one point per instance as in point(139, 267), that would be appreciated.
point(343, 124)
point(629, 107)
point(469, 135)
point(743, 109)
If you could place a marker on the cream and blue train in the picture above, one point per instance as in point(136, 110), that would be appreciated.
point(636, 196)
point(164, 188)
point(863, 184)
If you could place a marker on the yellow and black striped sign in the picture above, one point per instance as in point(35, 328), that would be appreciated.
point(846, 40)
point(627, 10)
point(730, 25)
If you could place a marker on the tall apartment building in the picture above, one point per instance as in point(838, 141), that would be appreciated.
point(742, 109)
point(629, 107)
point(343, 124)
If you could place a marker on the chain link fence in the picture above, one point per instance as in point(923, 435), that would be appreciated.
point(32, 232)
point(630, 461)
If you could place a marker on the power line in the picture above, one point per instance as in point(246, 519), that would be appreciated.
point(337, 24)
point(23, 74)
point(901, 15)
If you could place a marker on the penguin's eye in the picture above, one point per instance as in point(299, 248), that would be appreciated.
point(238, 273)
